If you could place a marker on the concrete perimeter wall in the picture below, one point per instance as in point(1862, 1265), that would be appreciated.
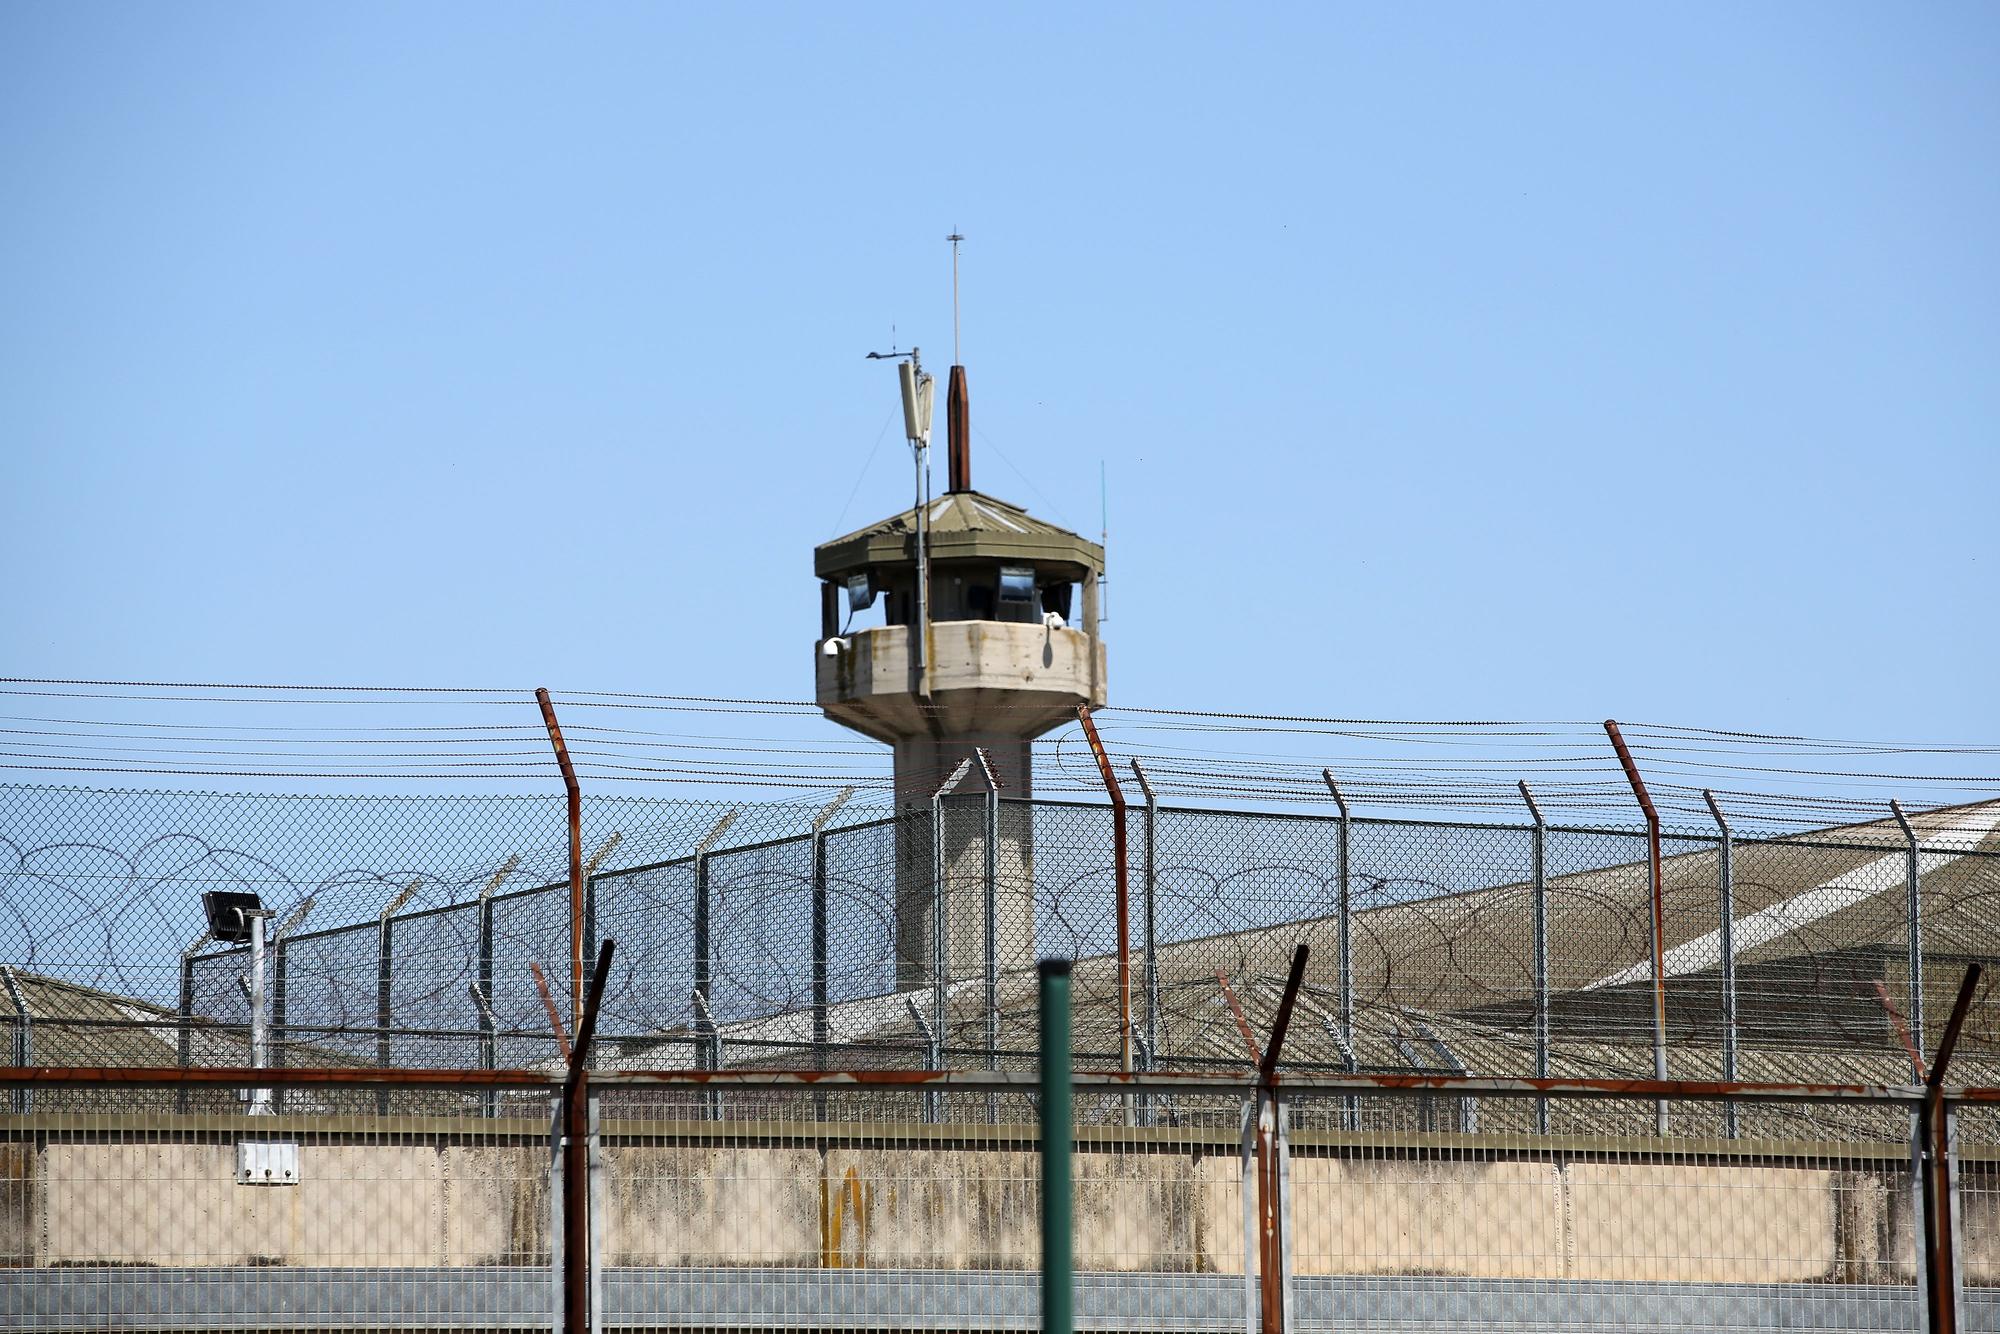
point(1146, 1202)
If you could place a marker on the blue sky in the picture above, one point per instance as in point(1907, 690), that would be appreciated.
point(1471, 361)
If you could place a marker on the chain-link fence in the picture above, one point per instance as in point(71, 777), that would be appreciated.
point(840, 1205)
point(436, 932)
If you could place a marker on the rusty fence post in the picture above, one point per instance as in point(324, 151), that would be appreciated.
point(576, 1156)
point(1269, 1144)
point(573, 806)
point(1120, 871)
point(1149, 916)
point(1656, 892)
point(1934, 1130)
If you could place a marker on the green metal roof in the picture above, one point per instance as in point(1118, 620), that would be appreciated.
point(963, 525)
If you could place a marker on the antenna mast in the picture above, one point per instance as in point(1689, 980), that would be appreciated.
point(954, 238)
point(916, 387)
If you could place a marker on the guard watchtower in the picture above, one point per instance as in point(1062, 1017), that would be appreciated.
point(988, 641)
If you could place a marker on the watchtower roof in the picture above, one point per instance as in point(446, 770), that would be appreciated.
point(962, 525)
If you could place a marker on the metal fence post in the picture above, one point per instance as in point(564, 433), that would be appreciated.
point(1057, 1138)
point(1954, 1224)
point(1351, 1112)
point(1149, 917)
point(704, 980)
point(594, 1151)
point(1282, 1109)
point(821, 983)
point(1120, 872)
point(1913, 878)
point(489, 1027)
point(280, 1002)
point(933, 1058)
point(578, 1286)
point(1725, 878)
point(1249, 1177)
point(558, 1202)
point(1538, 855)
point(573, 808)
point(385, 993)
point(280, 967)
point(707, 1054)
point(991, 876)
point(1656, 886)
point(1940, 1263)
point(821, 999)
point(940, 908)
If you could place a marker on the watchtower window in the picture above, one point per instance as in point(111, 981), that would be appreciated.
point(1017, 584)
point(979, 602)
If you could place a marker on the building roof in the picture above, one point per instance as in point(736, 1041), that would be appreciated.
point(963, 525)
point(1444, 982)
point(70, 1025)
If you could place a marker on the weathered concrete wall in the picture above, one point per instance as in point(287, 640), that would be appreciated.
point(709, 1205)
point(16, 1208)
point(797, 1203)
point(1385, 1216)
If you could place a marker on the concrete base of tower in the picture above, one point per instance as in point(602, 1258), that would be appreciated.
point(971, 897)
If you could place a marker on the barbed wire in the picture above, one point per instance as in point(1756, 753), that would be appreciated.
point(1447, 765)
point(1441, 920)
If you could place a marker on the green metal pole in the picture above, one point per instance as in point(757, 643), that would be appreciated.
point(1058, 1240)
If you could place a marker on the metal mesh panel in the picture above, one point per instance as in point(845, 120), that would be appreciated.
point(761, 912)
point(1442, 930)
point(116, 1216)
point(860, 911)
point(847, 1207)
point(649, 911)
point(330, 992)
point(1605, 1228)
point(530, 927)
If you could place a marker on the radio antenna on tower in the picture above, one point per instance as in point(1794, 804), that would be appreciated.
point(954, 238)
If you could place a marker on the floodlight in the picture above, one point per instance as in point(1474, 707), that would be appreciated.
point(860, 591)
point(229, 913)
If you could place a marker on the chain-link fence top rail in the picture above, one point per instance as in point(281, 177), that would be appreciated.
point(776, 946)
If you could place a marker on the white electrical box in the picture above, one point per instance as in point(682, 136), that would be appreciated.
point(267, 1163)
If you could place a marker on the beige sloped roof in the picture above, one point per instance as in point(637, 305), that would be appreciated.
point(1448, 979)
point(963, 525)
